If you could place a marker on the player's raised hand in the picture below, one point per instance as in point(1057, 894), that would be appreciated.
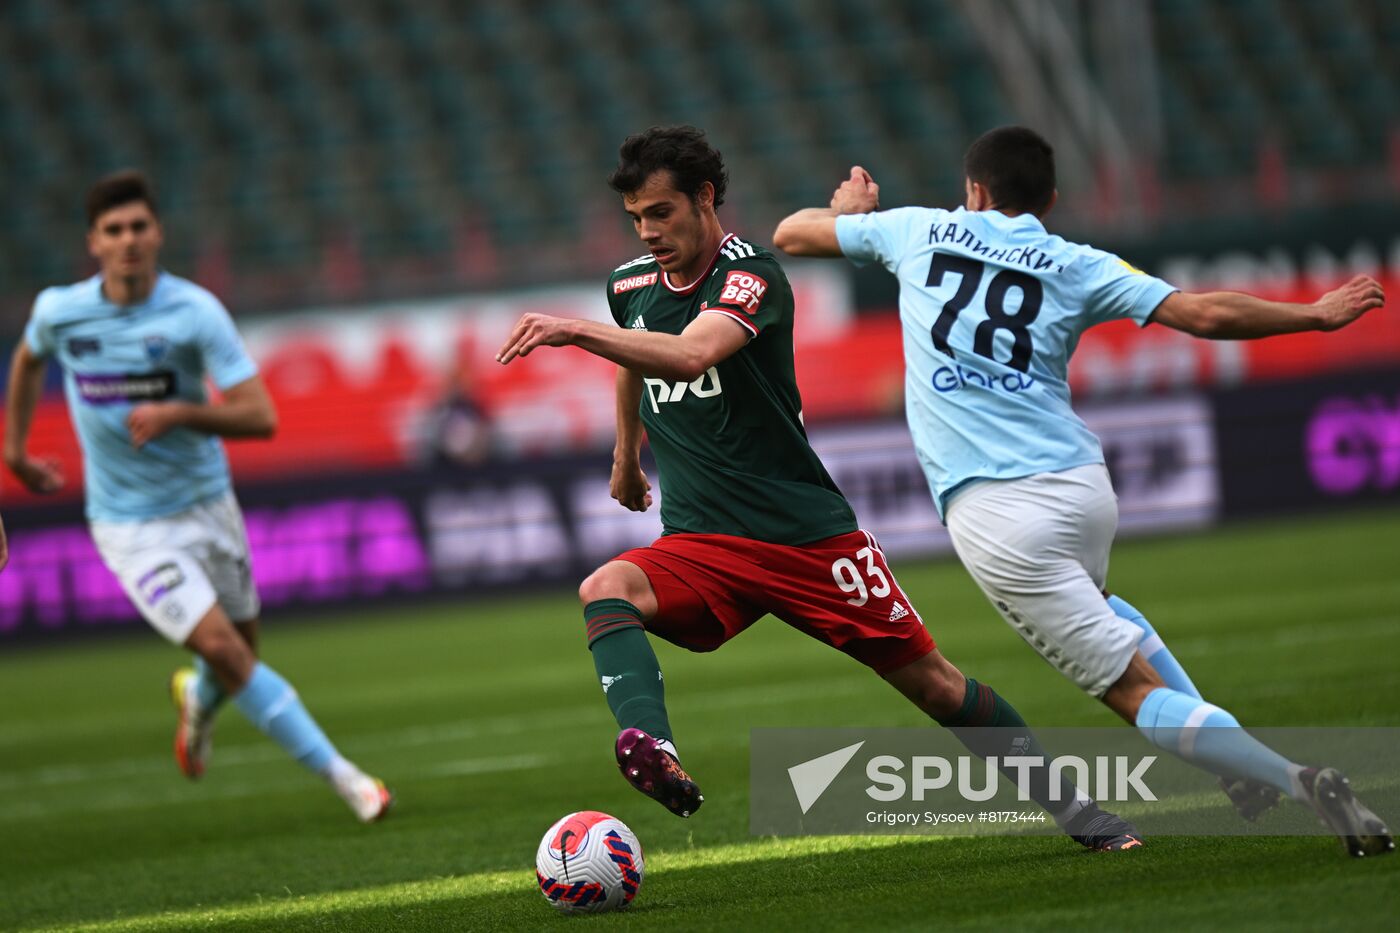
point(1343, 305)
point(41, 476)
point(149, 421)
point(630, 486)
point(858, 194)
point(535, 330)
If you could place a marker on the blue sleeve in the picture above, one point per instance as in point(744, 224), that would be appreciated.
point(1114, 289)
point(879, 237)
point(38, 333)
point(225, 359)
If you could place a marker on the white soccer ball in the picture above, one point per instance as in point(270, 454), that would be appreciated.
point(589, 862)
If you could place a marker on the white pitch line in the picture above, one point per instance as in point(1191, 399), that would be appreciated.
point(143, 795)
point(1301, 634)
point(1323, 594)
point(367, 744)
point(1282, 598)
point(1293, 636)
point(465, 766)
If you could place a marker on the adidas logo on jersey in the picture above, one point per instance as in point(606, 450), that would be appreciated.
point(639, 261)
point(639, 324)
point(735, 249)
point(898, 612)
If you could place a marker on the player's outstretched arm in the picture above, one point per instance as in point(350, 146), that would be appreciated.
point(706, 341)
point(1237, 316)
point(809, 232)
point(246, 411)
point(629, 484)
point(25, 386)
point(812, 231)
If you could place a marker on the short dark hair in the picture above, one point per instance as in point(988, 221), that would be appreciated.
point(117, 189)
point(681, 150)
point(1016, 165)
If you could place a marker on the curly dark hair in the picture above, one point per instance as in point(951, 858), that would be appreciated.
point(117, 189)
point(681, 150)
point(1017, 165)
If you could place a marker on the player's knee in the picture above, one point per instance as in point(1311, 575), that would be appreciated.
point(594, 587)
point(1127, 693)
point(941, 698)
point(932, 684)
point(610, 581)
point(224, 649)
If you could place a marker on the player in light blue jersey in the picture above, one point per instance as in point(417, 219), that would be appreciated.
point(992, 307)
point(136, 345)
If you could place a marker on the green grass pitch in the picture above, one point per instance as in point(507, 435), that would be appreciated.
point(486, 720)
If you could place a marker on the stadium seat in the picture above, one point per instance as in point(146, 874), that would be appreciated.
point(385, 121)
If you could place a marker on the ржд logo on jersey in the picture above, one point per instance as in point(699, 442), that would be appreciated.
point(660, 392)
point(633, 281)
point(744, 290)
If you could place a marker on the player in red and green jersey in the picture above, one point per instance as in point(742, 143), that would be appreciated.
point(752, 522)
point(737, 460)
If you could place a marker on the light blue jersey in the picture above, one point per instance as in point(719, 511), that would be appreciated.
point(992, 308)
point(115, 357)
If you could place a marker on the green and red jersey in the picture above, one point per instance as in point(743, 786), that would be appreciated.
point(731, 451)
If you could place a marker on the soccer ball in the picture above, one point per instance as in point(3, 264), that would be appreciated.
point(589, 862)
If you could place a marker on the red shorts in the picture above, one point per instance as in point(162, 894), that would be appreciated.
point(840, 591)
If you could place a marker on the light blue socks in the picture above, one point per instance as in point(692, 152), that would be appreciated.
point(271, 704)
point(1154, 650)
point(1176, 719)
point(1210, 738)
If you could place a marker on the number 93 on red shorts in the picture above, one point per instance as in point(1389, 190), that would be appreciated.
point(839, 590)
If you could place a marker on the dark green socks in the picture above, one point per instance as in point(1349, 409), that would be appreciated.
point(983, 706)
point(627, 666)
point(988, 725)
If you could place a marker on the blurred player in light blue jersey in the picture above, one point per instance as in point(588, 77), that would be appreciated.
point(136, 345)
point(992, 307)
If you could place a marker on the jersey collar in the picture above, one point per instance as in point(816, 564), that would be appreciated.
point(101, 295)
point(666, 276)
point(1027, 220)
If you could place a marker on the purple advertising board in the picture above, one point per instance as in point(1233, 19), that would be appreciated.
point(1312, 444)
point(402, 536)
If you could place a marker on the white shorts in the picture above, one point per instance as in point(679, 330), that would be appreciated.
point(176, 568)
point(1038, 547)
